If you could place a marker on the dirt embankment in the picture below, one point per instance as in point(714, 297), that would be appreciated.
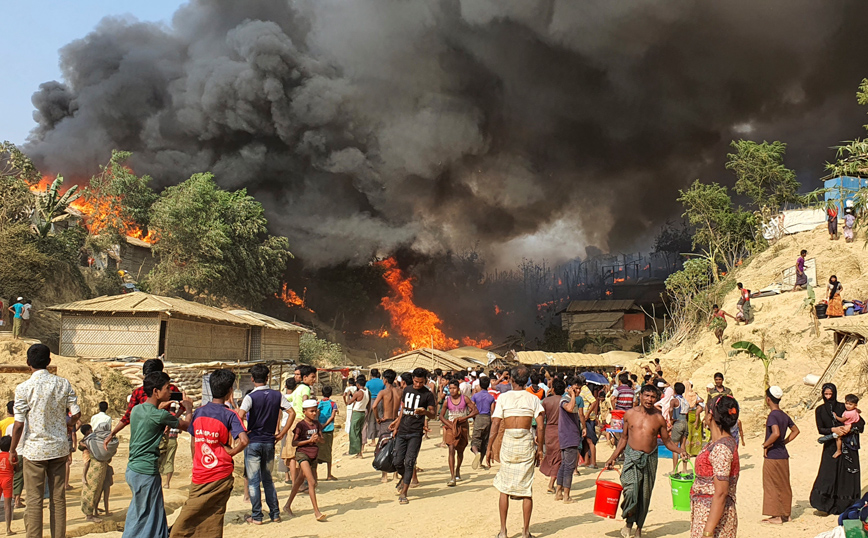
point(781, 323)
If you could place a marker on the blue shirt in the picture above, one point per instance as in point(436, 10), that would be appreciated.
point(374, 387)
point(18, 307)
point(484, 402)
point(325, 412)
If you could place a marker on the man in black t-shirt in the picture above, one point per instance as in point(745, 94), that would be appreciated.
point(417, 405)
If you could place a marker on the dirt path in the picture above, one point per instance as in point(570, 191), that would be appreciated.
point(361, 503)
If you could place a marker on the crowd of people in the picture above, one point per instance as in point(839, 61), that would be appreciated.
point(524, 418)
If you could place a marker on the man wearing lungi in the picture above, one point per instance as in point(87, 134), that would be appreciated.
point(777, 493)
point(518, 453)
point(642, 425)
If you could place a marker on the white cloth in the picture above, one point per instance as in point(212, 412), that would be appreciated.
point(247, 402)
point(25, 311)
point(100, 418)
point(517, 403)
point(42, 402)
point(466, 389)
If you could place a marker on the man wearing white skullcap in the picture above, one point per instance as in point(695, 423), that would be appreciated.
point(777, 493)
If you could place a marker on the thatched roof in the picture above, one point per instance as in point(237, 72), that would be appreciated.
point(255, 318)
point(624, 305)
point(425, 358)
point(144, 303)
point(474, 353)
point(575, 360)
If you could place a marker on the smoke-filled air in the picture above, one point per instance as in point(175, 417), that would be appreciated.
point(517, 127)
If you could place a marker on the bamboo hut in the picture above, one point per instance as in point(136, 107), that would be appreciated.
point(475, 354)
point(427, 358)
point(270, 338)
point(143, 325)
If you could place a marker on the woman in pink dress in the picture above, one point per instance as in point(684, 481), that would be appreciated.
point(717, 469)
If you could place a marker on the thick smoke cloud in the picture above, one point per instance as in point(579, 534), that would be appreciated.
point(520, 127)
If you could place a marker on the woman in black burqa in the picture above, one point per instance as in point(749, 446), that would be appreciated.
point(838, 483)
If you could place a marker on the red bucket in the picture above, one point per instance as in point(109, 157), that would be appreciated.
point(607, 498)
point(618, 419)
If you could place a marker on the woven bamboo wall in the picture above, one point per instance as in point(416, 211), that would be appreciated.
point(279, 345)
point(94, 337)
point(193, 341)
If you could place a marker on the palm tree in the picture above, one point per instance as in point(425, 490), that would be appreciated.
point(50, 205)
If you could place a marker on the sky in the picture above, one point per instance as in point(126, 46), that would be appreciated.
point(31, 47)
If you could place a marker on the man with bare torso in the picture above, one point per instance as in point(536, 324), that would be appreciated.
point(642, 425)
point(390, 398)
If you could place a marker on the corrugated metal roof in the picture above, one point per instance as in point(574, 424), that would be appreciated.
point(575, 360)
point(596, 321)
point(141, 302)
point(267, 321)
point(600, 306)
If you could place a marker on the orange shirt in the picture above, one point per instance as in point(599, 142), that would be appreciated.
point(7, 470)
point(540, 393)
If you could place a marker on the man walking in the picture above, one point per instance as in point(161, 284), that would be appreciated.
point(417, 405)
point(642, 425)
point(262, 409)
point(17, 310)
point(777, 492)
point(357, 408)
point(374, 386)
point(42, 401)
point(26, 312)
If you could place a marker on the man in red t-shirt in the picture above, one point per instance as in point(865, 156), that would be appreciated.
point(213, 427)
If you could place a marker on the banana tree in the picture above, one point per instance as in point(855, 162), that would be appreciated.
point(809, 304)
point(50, 205)
point(758, 352)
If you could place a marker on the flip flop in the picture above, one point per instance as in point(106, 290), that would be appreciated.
point(403, 500)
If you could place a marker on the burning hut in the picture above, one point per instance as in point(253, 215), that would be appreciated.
point(143, 325)
point(581, 318)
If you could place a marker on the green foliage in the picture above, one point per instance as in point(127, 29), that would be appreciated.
point(123, 199)
point(758, 352)
point(685, 284)
point(50, 206)
point(16, 201)
point(22, 265)
point(14, 163)
point(213, 245)
point(761, 174)
point(319, 352)
point(725, 234)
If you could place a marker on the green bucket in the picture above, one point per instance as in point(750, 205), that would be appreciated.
point(681, 490)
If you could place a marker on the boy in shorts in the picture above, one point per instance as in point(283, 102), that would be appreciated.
point(679, 424)
point(305, 437)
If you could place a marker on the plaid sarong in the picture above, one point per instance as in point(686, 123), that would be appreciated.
point(517, 462)
point(637, 477)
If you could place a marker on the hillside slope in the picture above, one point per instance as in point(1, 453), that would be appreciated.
point(783, 325)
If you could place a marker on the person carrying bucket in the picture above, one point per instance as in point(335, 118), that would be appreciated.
point(642, 425)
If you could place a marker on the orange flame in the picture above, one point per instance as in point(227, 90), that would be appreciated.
point(96, 217)
point(290, 298)
point(619, 280)
point(418, 326)
point(608, 292)
point(497, 310)
point(381, 333)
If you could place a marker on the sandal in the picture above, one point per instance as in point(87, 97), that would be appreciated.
point(403, 500)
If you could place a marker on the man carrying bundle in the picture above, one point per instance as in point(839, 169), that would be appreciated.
point(642, 425)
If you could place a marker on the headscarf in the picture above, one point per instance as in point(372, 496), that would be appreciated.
point(690, 395)
point(832, 402)
point(834, 286)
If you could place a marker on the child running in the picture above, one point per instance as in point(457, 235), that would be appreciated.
point(305, 438)
point(213, 427)
point(7, 472)
point(146, 516)
point(848, 418)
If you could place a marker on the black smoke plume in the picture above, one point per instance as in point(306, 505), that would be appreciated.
point(516, 127)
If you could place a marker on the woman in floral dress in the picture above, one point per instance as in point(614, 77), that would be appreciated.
point(717, 469)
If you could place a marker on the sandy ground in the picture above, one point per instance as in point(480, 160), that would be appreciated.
point(361, 505)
